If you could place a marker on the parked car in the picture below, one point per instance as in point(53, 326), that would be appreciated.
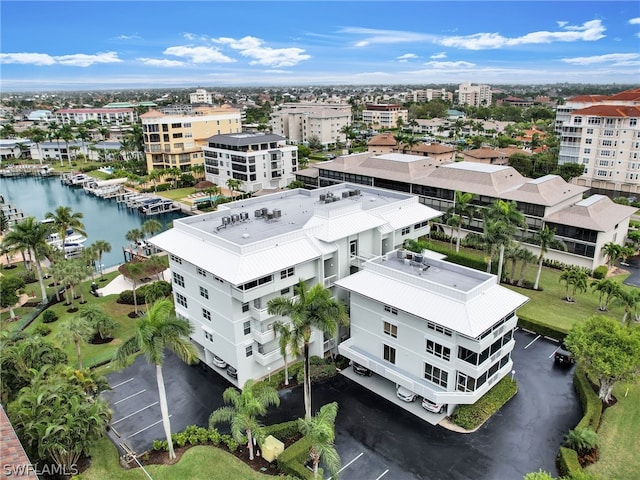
point(232, 372)
point(563, 355)
point(405, 394)
point(218, 362)
point(360, 370)
point(433, 406)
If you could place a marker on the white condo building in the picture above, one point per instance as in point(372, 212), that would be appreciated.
point(201, 96)
point(228, 264)
point(442, 330)
point(299, 122)
point(104, 116)
point(260, 161)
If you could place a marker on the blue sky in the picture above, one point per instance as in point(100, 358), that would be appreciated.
point(85, 45)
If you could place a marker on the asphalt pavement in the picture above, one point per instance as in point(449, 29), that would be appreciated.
point(376, 439)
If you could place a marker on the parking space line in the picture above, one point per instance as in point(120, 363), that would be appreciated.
point(531, 342)
point(134, 413)
point(345, 466)
point(554, 352)
point(127, 398)
point(122, 383)
point(383, 474)
point(147, 428)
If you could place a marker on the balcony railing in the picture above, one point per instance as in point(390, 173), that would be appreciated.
point(267, 358)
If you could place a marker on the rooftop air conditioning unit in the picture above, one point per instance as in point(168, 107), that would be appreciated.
point(226, 220)
point(258, 213)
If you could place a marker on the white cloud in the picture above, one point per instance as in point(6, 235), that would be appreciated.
point(615, 59)
point(439, 55)
point(27, 58)
point(375, 36)
point(459, 64)
point(161, 62)
point(199, 54)
point(127, 37)
point(83, 60)
point(406, 57)
point(253, 48)
point(562, 23)
point(634, 21)
point(588, 31)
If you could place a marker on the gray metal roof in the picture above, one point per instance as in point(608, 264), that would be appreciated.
point(245, 139)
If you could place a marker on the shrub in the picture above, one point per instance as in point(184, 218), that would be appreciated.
point(160, 445)
point(28, 276)
point(231, 444)
point(49, 316)
point(472, 416)
point(581, 440)
point(591, 404)
point(42, 330)
point(600, 272)
point(282, 430)
point(292, 460)
point(545, 330)
point(567, 462)
point(315, 360)
point(214, 436)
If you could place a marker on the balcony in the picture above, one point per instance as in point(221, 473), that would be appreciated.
point(329, 281)
point(267, 358)
point(262, 332)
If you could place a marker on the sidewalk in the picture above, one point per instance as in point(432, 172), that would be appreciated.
point(120, 283)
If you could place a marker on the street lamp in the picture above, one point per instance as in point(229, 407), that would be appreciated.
point(269, 368)
point(513, 373)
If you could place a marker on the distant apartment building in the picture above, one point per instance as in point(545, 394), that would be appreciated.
point(474, 95)
point(604, 137)
point(107, 117)
point(227, 265)
point(300, 122)
point(384, 115)
point(261, 161)
point(176, 139)
point(584, 225)
point(430, 94)
point(201, 96)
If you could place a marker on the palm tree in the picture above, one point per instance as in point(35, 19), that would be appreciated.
point(245, 406)
point(98, 319)
point(608, 291)
point(284, 330)
point(310, 308)
point(133, 236)
point(101, 246)
point(320, 430)
point(76, 330)
point(84, 135)
point(612, 251)
point(38, 136)
point(234, 185)
point(545, 238)
point(575, 279)
point(134, 271)
point(151, 227)
point(630, 299)
point(510, 219)
point(198, 170)
point(66, 134)
point(157, 330)
point(30, 235)
point(64, 219)
point(461, 208)
point(526, 256)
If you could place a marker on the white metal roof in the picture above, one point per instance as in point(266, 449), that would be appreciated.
point(470, 317)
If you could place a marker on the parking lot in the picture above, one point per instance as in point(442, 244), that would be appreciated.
point(376, 438)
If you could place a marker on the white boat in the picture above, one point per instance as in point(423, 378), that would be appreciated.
point(73, 243)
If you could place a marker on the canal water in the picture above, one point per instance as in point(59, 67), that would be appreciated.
point(103, 219)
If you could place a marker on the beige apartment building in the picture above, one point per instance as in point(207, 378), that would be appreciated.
point(475, 95)
point(431, 94)
point(384, 115)
point(299, 122)
point(176, 139)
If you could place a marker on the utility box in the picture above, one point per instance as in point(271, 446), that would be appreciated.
point(271, 448)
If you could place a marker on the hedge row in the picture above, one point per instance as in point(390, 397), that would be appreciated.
point(541, 329)
point(470, 417)
point(591, 404)
point(292, 460)
point(282, 430)
point(567, 462)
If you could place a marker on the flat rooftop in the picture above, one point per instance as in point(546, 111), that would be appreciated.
point(247, 221)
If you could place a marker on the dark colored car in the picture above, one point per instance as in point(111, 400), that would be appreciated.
point(360, 370)
point(232, 372)
point(563, 356)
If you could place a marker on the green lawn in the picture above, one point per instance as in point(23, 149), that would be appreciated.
point(201, 462)
point(177, 193)
point(618, 434)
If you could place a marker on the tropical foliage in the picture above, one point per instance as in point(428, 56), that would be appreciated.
point(320, 430)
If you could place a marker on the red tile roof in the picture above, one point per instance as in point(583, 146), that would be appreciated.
point(609, 111)
point(12, 455)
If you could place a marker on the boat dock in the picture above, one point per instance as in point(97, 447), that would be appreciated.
point(26, 170)
point(11, 213)
point(146, 203)
point(106, 188)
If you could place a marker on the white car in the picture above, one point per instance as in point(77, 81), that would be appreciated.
point(405, 394)
point(432, 406)
point(218, 362)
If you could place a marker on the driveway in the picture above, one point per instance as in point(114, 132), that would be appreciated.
point(376, 438)
point(633, 265)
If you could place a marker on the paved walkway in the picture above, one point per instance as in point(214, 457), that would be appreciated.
point(120, 283)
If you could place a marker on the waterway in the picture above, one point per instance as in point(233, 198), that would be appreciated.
point(103, 219)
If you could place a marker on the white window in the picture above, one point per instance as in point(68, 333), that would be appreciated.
point(178, 279)
point(201, 271)
point(391, 330)
point(438, 350)
point(435, 375)
point(204, 292)
point(390, 309)
point(181, 300)
point(206, 314)
point(389, 354)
